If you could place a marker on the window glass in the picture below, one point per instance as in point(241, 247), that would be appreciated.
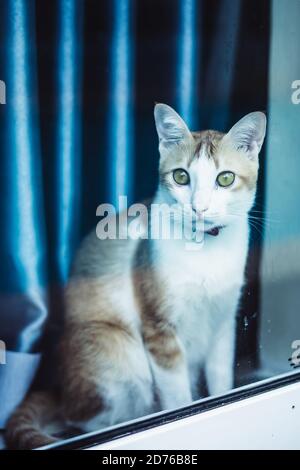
point(182, 116)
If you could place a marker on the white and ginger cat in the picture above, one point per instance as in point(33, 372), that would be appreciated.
point(143, 317)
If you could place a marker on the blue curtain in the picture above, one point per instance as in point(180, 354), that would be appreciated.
point(77, 130)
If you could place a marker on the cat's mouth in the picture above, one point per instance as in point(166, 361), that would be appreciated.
point(214, 232)
point(209, 228)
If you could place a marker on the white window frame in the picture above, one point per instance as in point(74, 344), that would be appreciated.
point(264, 415)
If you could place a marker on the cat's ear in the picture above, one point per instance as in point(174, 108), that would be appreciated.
point(170, 127)
point(248, 134)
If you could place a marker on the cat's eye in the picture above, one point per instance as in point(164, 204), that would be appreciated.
point(225, 179)
point(181, 176)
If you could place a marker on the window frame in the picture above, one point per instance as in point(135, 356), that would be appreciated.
point(204, 406)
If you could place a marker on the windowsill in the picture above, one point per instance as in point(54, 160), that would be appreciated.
point(201, 406)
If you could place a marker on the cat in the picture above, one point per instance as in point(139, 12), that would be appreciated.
point(144, 316)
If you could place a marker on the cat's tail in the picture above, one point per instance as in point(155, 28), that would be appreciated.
point(25, 429)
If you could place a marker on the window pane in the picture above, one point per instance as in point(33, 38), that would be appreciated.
point(198, 293)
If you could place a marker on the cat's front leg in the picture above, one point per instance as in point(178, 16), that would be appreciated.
point(169, 367)
point(219, 364)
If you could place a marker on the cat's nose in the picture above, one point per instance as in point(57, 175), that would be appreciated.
point(200, 210)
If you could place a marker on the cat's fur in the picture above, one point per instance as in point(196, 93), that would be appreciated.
point(144, 316)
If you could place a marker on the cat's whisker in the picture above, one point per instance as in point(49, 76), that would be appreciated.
point(258, 218)
point(260, 232)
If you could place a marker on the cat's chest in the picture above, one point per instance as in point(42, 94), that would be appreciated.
point(203, 273)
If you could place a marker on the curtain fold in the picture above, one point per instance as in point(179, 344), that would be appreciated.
point(220, 70)
point(77, 129)
point(189, 14)
point(120, 148)
point(67, 155)
point(23, 304)
point(23, 244)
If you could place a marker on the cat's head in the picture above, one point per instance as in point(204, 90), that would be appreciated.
point(214, 174)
